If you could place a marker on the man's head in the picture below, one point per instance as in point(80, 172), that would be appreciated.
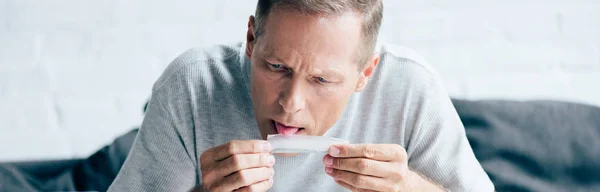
point(308, 57)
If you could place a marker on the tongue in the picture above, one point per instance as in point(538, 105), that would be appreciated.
point(287, 130)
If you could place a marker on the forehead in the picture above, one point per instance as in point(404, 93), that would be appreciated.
point(313, 38)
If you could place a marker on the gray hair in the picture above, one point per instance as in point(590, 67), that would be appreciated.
point(370, 10)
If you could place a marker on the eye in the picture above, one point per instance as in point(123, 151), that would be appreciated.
point(277, 67)
point(322, 80)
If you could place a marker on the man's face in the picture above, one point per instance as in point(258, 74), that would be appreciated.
point(303, 71)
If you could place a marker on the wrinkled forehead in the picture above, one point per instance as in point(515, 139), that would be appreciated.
point(329, 40)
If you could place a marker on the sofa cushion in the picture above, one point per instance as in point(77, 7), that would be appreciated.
point(535, 145)
point(94, 173)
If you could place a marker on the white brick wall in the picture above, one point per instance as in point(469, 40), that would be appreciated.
point(74, 74)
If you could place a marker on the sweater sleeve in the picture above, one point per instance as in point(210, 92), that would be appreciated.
point(162, 157)
point(158, 160)
point(438, 147)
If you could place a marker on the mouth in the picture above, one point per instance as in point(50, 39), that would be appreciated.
point(286, 129)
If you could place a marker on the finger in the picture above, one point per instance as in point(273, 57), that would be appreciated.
point(361, 165)
point(381, 152)
point(360, 181)
point(236, 163)
point(346, 185)
point(238, 147)
point(243, 161)
point(260, 186)
point(351, 188)
point(245, 178)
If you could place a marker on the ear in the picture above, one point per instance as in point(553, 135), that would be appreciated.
point(366, 73)
point(250, 38)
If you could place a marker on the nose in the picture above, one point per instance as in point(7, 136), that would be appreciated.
point(293, 99)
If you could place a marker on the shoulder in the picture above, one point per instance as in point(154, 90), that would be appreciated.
point(406, 58)
point(200, 65)
point(403, 53)
point(405, 69)
point(400, 88)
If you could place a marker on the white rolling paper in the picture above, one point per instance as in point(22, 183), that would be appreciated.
point(301, 143)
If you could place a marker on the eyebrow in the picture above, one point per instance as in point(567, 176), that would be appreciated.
point(331, 73)
point(271, 56)
point(275, 59)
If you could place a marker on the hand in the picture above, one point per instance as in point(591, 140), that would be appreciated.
point(238, 166)
point(373, 167)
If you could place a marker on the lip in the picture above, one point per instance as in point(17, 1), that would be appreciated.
point(273, 125)
point(286, 125)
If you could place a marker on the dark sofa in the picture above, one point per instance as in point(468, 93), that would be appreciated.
point(523, 146)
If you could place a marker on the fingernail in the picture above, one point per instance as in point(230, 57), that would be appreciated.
point(334, 151)
point(271, 180)
point(271, 160)
point(328, 161)
point(328, 170)
point(266, 147)
point(272, 173)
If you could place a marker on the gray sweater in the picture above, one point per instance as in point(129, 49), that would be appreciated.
point(203, 100)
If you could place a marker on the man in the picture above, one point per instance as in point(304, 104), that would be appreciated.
point(307, 67)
